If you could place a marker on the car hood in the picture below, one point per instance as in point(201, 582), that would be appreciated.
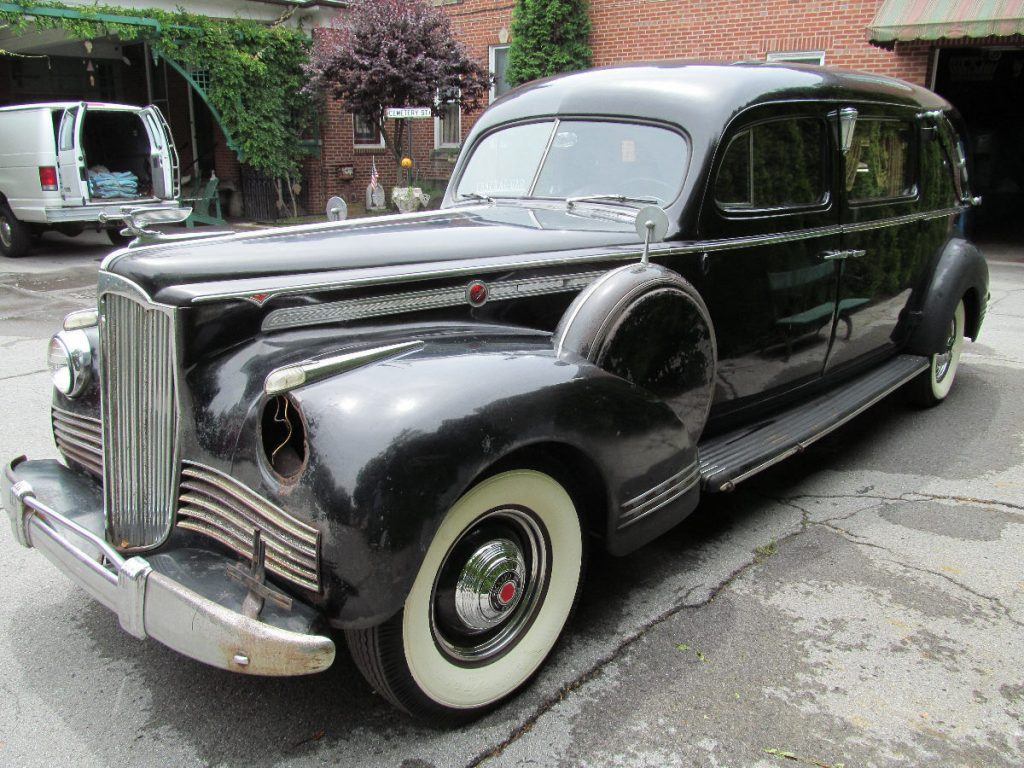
point(404, 246)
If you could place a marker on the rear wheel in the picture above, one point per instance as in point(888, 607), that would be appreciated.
point(932, 386)
point(491, 598)
point(15, 236)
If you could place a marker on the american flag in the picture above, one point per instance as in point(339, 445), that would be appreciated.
point(373, 175)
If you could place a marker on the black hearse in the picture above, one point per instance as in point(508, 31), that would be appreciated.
point(646, 283)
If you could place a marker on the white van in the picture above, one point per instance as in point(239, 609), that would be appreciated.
point(69, 165)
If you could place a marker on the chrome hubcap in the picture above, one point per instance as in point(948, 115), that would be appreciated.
point(943, 360)
point(5, 232)
point(490, 586)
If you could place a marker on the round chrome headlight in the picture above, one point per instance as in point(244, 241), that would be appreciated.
point(68, 359)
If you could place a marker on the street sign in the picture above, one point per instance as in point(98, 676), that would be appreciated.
point(407, 113)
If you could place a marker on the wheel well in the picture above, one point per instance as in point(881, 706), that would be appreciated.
point(571, 467)
point(972, 307)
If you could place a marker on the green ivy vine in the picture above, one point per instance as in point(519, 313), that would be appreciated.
point(256, 69)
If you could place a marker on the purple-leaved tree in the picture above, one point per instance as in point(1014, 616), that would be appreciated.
point(395, 53)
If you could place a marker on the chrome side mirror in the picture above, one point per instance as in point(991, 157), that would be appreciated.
point(651, 226)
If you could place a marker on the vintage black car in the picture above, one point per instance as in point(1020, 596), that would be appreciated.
point(646, 283)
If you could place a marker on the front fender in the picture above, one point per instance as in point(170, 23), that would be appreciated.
point(393, 445)
point(961, 273)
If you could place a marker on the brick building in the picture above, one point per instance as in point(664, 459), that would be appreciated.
point(971, 51)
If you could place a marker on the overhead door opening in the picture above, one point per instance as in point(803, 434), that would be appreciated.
point(986, 85)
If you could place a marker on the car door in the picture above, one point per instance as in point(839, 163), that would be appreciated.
point(767, 278)
point(883, 255)
point(163, 155)
point(74, 185)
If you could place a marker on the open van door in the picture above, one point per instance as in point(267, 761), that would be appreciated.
point(74, 186)
point(163, 155)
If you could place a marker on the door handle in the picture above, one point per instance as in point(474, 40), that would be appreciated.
point(842, 255)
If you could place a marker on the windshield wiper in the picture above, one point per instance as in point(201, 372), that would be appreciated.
point(570, 202)
point(474, 196)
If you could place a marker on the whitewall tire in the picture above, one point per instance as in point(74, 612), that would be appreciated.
point(491, 598)
point(932, 387)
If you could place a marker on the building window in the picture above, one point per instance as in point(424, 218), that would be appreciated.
point(799, 57)
point(498, 63)
point(366, 132)
point(448, 127)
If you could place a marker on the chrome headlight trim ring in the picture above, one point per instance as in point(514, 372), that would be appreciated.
point(77, 353)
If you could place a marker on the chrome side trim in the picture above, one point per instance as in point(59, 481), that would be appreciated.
point(623, 253)
point(289, 377)
point(78, 438)
point(416, 301)
point(659, 496)
point(216, 505)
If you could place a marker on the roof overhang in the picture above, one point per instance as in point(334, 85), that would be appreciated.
point(905, 20)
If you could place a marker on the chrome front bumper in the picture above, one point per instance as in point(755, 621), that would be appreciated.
point(181, 598)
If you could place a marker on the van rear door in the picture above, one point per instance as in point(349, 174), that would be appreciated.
point(74, 187)
point(163, 156)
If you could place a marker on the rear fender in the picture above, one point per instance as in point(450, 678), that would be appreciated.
point(961, 273)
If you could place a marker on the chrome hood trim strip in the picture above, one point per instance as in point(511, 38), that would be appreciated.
point(370, 278)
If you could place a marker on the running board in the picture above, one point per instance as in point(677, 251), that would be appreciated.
point(730, 458)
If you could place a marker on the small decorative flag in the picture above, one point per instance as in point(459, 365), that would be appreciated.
point(373, 175)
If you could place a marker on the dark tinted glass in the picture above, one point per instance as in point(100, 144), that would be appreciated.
point(774, 165)
point(879, 164)
point(937, 186)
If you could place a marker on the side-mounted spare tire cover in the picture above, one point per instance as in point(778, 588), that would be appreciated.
point(649, 326)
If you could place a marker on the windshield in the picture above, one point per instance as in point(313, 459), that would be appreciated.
point(577, 158)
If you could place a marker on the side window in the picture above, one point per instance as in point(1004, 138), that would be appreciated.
point(879, 165)
point(954, 147)
point(67, 130)
point(778, 164)
point(937, 185)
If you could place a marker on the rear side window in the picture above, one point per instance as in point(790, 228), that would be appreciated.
point(879, 165)
point(778, 164)
point(67, 130)
point(937, 186)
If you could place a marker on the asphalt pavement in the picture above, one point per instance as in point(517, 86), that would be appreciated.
point(860, 605)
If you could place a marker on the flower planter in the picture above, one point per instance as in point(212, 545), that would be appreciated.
point(408, 199)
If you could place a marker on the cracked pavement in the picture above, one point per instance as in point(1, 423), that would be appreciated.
point(860, 605)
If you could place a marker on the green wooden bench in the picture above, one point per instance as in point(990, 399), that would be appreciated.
point(814, 319)
point(205, 204)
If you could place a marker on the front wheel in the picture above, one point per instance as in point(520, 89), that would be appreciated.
point(491, 598)
point(932, 386)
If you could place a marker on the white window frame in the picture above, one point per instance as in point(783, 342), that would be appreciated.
point(366, 145)
point(490, 64)
point(798, 57)
point(438, 130)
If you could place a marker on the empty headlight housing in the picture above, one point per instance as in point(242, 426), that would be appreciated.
point(69, 359)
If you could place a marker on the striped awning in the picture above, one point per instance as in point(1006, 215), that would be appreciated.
point(935, 19)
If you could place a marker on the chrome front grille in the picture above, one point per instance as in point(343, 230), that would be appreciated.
point(220, 507)
point(140, 420)
point(79, 438)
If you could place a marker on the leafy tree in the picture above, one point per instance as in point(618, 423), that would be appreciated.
point(548, 37)
point(256, 70)
point(395, 53)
